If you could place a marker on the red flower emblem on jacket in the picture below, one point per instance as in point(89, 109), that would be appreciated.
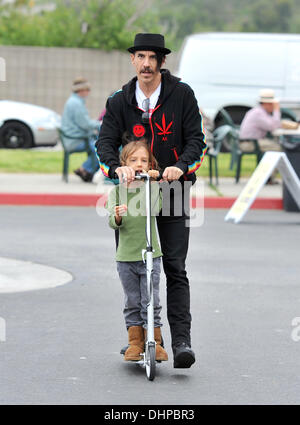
point(164, 129)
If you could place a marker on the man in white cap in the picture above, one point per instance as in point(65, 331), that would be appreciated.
point(77, 126)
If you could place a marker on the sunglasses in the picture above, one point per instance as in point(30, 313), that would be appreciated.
point(146, 114)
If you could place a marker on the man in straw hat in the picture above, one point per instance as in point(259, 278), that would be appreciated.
point(157, 106)
point(77, 126)
point(260, 120)
point(263, 118)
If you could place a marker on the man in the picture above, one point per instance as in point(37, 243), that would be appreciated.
point(155, 105)
point(77, 126)
point(260, 120)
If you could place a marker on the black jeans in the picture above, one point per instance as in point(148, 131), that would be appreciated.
point(174, 240)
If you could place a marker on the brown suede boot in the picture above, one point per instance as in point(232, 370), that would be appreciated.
point(160, 353)
point(136, 344)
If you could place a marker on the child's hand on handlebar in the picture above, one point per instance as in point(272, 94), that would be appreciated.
point(125, 174)
point(153, 174)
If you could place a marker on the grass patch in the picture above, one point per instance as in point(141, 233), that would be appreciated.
point(33, 161)
point(248, 166)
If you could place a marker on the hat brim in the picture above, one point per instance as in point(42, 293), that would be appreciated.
point(163, 50)
point(274, 100)
point(82, 86)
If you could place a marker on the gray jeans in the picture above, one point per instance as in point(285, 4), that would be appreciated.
point(134, 281)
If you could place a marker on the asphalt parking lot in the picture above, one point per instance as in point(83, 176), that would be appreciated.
point(62, 343)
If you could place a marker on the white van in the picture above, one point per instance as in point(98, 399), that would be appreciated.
point(227, 70)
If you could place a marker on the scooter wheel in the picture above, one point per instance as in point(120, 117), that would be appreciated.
point(150, 362)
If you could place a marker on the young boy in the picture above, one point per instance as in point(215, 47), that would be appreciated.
point(126, 204)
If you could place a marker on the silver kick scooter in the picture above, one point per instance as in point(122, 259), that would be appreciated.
point(148, 360)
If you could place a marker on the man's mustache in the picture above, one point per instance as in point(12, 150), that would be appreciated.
point(147, 70)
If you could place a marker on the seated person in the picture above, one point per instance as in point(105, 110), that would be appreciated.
point(260, 120)
point(77, 126)
point(257, 122)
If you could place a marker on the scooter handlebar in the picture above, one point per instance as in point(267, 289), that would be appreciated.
point(143, 176)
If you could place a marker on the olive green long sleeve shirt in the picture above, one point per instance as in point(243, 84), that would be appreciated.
point(132, 230)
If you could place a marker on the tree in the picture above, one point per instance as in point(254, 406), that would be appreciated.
point(111, 24)
point(272, 16)
point(105, 24)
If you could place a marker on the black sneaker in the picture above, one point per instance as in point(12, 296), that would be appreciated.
point(81, 173)
point(84, 175)
point(184, 356)
point(89, 177)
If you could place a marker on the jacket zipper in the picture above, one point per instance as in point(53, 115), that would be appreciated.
point(175, 153)
point(151, 126)
point(176, 157)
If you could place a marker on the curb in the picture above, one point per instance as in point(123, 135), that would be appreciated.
point(85, 200)
point(222, 202)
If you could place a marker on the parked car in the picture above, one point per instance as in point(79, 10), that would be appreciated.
point(227, 70)
point(23, 125)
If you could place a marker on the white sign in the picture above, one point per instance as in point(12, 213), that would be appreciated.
point(263, 171)
point(2, 69)
point(2, 330)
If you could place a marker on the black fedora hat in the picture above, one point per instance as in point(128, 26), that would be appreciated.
point(153, 42)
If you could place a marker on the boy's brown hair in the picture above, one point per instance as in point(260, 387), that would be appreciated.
point(133, 146)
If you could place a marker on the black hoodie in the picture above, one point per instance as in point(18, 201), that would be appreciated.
point(174, 132)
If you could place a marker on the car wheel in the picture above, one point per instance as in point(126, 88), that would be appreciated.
point(14, 135)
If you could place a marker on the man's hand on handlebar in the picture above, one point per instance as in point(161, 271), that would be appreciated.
point(172, 173)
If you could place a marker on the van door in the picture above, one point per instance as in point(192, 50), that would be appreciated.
point(292, 86)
